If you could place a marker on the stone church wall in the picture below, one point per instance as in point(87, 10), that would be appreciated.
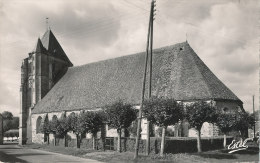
point(36, 137)
point(208, 129)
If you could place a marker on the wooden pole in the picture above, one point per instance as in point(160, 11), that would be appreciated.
point(143, 91)
point(254, 112)
point(1, 130)
point(150, 76)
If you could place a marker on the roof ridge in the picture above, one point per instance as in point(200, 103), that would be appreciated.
point(134, 54)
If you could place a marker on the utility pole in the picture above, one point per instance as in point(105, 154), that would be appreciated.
point(254, 113)
point(150, 73)
point(143, 90)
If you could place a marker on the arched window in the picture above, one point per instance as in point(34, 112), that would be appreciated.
point(54, 117)
point(38, 124)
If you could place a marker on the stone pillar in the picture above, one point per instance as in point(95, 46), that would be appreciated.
point(23, 102)
point(144, 129)
point(1, 130)
point(22, 123)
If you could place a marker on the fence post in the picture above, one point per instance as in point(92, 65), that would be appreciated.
point(1, 130)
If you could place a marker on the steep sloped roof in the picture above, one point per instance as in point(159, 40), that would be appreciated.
point(50, 42)
point(39, 47)
point(177, 72)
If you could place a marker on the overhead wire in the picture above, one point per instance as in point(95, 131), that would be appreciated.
point(101, 24)
point(193, 25)
point(105, 23)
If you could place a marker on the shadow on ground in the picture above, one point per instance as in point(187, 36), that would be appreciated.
point(216, 155)
point(10, 153)
point(9, 158)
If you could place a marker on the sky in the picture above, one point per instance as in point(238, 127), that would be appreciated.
point(224, 34)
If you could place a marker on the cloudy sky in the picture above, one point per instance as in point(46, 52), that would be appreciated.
point(224, 33)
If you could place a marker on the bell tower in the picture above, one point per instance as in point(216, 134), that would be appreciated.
point(40, 71)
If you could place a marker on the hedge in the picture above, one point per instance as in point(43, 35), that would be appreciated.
point(173, 145)
point(85, 143)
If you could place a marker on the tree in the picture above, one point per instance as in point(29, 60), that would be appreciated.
point(93, 122)
point(120, 115)
point(63, 128)
point(244, 121)
point(163, 112)
point(7, 120)
point(7, 115)
point(197, 113)
point(45, 129)
point(54, 124)
point(226, 121)
point(7, 125)
point(15, 123)
point(77, 126)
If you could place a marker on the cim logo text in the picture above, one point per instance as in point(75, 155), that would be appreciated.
point(239, 145)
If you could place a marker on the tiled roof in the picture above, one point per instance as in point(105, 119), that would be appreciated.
point(177, 72)
point(50, 43)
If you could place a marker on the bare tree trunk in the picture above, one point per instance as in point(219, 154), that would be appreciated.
point(78, 141)
point(94, 140)
point(65, 140)
point(54, 139)
point(199, 142)
point(163, 141)
point(225, 141)
point(119, 140)
point(48, 139)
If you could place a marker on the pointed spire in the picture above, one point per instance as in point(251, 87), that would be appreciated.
point(39, 47)
point(51, 44)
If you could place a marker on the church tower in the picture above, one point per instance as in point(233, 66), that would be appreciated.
point(40, 71)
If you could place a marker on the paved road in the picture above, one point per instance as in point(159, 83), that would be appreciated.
point(14, 153)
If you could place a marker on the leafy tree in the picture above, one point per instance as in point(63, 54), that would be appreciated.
point(197, 113)
point(244, 121)
point(63, 128)
point(54, 125)
point(226, 121)
point(7, 115)
point(7, 125)
point(93, 123)
point(163, 112)
point(120, 115)
point(45, 129)
point(8, 121)
point(15, 123)
point(77, 126)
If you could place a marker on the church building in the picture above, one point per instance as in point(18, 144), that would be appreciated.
point(52, 86)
